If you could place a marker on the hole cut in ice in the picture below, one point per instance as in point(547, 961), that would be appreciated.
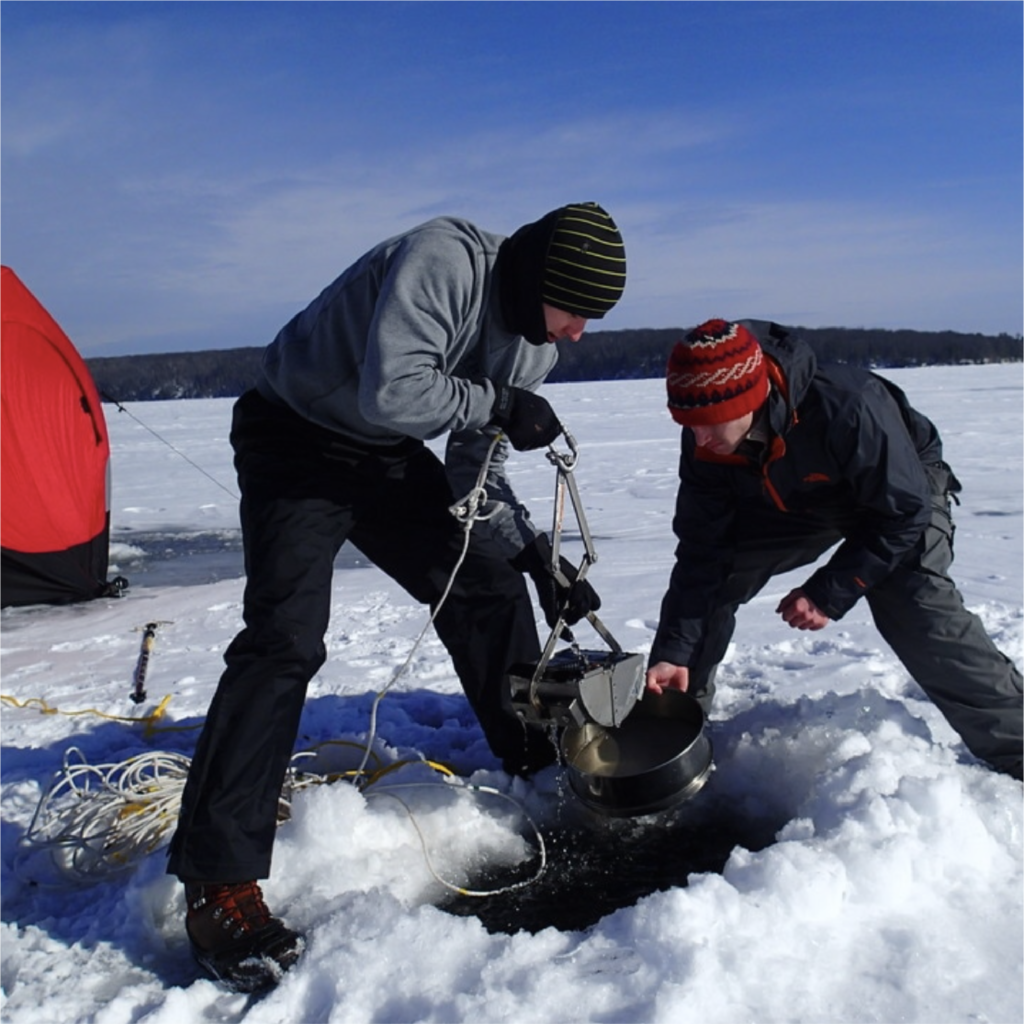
point(597, 865)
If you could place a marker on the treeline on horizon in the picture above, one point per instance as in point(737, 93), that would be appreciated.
point(603, 355)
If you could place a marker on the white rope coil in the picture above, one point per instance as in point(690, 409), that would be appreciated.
point(97, 821)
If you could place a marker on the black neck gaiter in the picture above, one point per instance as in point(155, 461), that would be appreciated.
point(521, 261)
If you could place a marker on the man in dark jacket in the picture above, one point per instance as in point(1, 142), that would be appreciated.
point(444, 330)
point(782, 460)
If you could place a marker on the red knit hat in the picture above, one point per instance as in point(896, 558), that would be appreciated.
point(717, 373)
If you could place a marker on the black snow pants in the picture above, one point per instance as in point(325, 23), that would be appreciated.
point(305, 491)
point(917, 609)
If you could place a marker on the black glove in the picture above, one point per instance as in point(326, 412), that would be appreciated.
point(577, 599)
point(526, 419)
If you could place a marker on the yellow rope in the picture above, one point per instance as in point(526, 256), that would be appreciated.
point(149, 721)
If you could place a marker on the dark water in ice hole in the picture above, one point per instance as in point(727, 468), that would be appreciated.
point(596, 865)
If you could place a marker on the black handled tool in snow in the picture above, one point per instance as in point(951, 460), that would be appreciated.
point(142, 666)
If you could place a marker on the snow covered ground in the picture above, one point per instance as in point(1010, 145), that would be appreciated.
point(848, 861)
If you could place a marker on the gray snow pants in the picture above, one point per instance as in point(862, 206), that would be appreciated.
point(918, 611)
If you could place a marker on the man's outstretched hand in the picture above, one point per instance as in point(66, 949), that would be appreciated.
point(800, 612)
point(666, 676)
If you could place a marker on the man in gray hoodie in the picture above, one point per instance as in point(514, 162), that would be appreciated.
point(445, 329)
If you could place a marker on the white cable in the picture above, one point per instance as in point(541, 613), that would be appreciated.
point(541, 848)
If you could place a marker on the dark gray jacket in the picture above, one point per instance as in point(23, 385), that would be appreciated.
point(845, 450)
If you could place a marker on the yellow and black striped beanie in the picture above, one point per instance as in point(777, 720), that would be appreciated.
point(585, 266)
point(572, 258)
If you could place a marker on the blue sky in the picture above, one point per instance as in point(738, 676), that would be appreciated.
point(188, 175)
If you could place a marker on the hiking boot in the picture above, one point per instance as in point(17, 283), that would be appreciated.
point(235, 939)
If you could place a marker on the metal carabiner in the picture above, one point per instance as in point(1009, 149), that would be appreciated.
point(565, 481)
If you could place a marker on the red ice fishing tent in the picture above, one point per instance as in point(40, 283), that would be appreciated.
point(54, 460)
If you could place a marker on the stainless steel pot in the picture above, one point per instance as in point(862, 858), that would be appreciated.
point(659, 757)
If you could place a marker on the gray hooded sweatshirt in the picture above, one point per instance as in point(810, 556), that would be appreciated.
point(409, 342)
